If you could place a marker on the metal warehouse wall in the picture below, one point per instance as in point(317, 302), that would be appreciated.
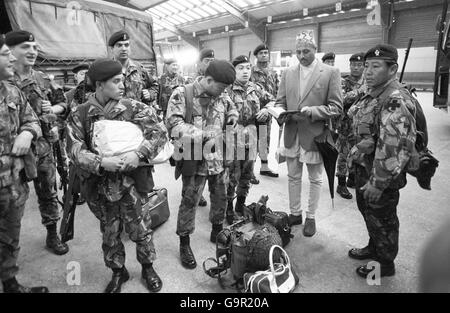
point(241, 45)
point(220, 47)
point(349, 36)
point(284, 38)
point(419, 24)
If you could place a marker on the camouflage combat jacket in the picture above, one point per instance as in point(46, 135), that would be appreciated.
point(266, 78)
point(351, 90)
point(16, 116)
point(80, 126)
point(136, 80)
point(38, 88)
point(209, 114)
point(167, 83)
point(248, 99)
point(385, 134)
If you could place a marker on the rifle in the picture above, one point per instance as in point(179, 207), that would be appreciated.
point(70, 203)
point(406, 59)
point(61, 168)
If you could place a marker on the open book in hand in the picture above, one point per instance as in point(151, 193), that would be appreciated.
point(280, 113)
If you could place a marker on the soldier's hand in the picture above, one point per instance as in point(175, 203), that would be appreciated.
point(46, 106)
point(112, 164)
point(22, 143)
point(262, 115)
point(232, 121)
point(371, 194)
point(130, 162)
point(146, 94)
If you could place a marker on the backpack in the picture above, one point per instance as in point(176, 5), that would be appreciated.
point(422, 164)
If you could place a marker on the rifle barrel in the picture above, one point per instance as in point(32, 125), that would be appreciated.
point(406, 58)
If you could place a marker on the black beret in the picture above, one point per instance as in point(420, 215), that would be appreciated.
point(259, 48)
point(82, 66)
point(16, 37)
point(357, 57)
point(206, 53)
point(121, 35)
point(240, 59)
point(328, 56)
point(222, 71)
point(103, 69)
point(382, 52)
point(170, 61)
point(2, 40)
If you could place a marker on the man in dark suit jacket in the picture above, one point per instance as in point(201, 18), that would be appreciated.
point(314, 90)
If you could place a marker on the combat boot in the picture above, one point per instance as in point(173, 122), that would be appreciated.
point(240, 205)
point(53, 241)
point(342, 188)
point(152, 280)
point(12, 286)
point(230, 212)
point(385, 270)
point(120, 275)
point(361, 254)
point(216, 229)
point(186, 255)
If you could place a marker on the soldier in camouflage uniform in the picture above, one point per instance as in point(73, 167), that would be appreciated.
point(248, 98)
point(353, 87)
point(116, 186)
point(168, 81)
point(206, 56)
point(19, 126)
point(79, 73)
point(48, 102)
point(266, 78)
point(139, 85)
point(212, 109)
point(385, 134)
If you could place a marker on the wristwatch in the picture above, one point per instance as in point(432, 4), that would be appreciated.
point(140, 155)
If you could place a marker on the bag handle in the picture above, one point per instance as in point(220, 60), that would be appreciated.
point(272, 268)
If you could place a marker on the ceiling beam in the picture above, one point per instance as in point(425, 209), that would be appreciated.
point(245, 19)
point(193, 41)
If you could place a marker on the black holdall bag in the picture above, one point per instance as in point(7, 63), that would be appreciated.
point(155, 208)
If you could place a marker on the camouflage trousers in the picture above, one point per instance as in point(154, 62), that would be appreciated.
point(192, 190)
point(240, 174)
point(380, 218)
point(343, 147)
point(12, 205)
point(45, 186)
point(113, 217)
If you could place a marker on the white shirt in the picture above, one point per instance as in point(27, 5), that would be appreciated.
point(305, 76)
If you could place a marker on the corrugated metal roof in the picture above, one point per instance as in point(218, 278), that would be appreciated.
point(200, 15)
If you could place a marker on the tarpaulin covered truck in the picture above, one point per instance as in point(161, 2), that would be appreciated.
point(73, 32)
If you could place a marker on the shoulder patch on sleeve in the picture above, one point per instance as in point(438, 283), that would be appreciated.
point(393, 104)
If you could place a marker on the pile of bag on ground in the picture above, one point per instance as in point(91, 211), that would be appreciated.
point(252, 250)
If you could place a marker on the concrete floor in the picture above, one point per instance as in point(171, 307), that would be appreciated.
point(321, 261)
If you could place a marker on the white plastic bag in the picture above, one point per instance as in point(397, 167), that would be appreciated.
point(112, 138)
point(164, 154)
